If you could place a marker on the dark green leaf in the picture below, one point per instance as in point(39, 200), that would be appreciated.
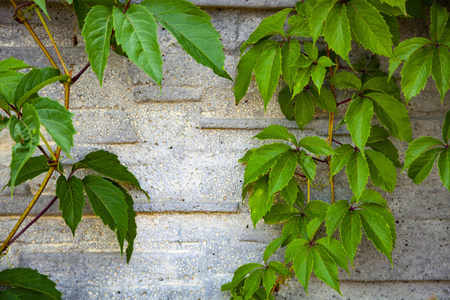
point(337, 31)
point(325, 268)
point(316, 145)
point(12, 64)
point(439, 18)
point(272, 247)
point(312, 227)
point(317, 209)
point(242, 271)
point(4, 121)
point(422, 165)
point(335, 250)
point(335, 213)
point(358, 118)
point(325, 100)
point(290, 191)
point(377, 134)
point(382, 170)
point(388, 149)
point(260, 201)
point(71, 200)
point(33, 167)
point(268, 71)
point(446, 128)
point(8, 83)
point(290, 53)
point(350, 233)
point(280, 213)
point(308, 165)
point(304, 109)
point(394, 28)
point(276, 132)
point(23, 294)
point(286, 103)
point(357, 172)
point(440, 69)
point(381, 84)
point(251, 284)
point(346, 80)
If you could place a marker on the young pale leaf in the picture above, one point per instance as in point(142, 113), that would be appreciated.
point(57, 120)
point(335, 250)
point(276, 132)
point(286, 103)
point(108, 203)
point(372, 197)
point(8, 83)
point(377, 230)
point(135, 31)
point(335, 213)
point(350, 233)
point(303, 263)
point(272, 25)
point(319, 14)
point(325, 100)
point(282, 172)
point(192, 28)
point(71, 200)
point(439, 18)
point(30, 280)
point(269, 278)
point(290, 53)
point(312, 227)
point(340, 159)
point(25, 132)
point(387, 216)
point(318, 74)
point(444, 167)
point(267, 72)
point(242, 271)
point(446, 128)
point(316, 145)
point(393, 115)
point(358, 118)
point(346, 80)
point(304, 109)
point(307, 164)
point(251, 284)
point(404, 50)
point(325, 268)
point(382, 170)
point(97, 34)
point(272, 247)
point(317, 209)
point(416, 71)
point(417, 147)
point(280, 213)
point(12, 64)
point(422, 165)
point(290, 191)
point(357, 172)
point(33, 167)
point(369, 27)
point(260, 201)
point(337, 31)
point(82, 8)
point(440, 70)
point(388, 149)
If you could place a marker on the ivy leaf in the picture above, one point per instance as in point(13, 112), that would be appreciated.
point(387, 148)
point(282, 172)
point(262, 160)
point(372, 197)
point(34, 166)
point(377, 230)
point(340, 159)
point(422, 165)
point(325, 100)
point(276, 132)
point(30, 280)
point(358, 118)
point(335, 214)
point(135, 31)
point(417, 147)
point(41, 4)
point(107, 164)
point(304, 109)
point(404, 50)
point(446, 128)
point(290, 53)
point(370, 28)
point(312, 227)
point(319, 14)
point(269, 278)
point(271, 25)
point(357, 172)
point(387, 216)
point(261, 200)
point(251, 284)
point(335, 250)
point(25, 132)
point(108, 203)
point(416, 71)
point(290, 191)
point(382, 170)
point(193, 29)
point(439, 18)
point(82, 8)
point(57, 120)
point(325, 268)
point(393, 115)
point(97, 34)
point(303, 262)
point(308, 165)
point(350, 233)
point(12, 64)
point(268, 71)
point(316, 145)
point(242, 271)
point(317, 209)
point(346, 80)
point(440, 70)
point(272, 247)
point(71, 200)
point(337, 31)
point(286, 103)
point(8, 83)
point(280, 212)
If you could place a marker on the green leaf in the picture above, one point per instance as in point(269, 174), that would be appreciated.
point(245, 69)
point(301, 80)
point(272, 25)
point(57, 120)
point(422, 165)
point(33, 167)
point(318, 74)
point(260, 201)
point(335, 250)
point(304, 109)
point(276, 132)
point(404, 50)
point(242, 271)
point(4, 121)
point(82, 8)
point(135, 31)
point(298, 26)
point(316, 145)
point(97, 34)
point(311, 51)
point(358, 118)
point(382, 170)
point(388, 149)
point(446, 128)
point(282, 172)
point(272, 247)
point(280, 213)
point(108, 203)
point(377, 230)
point(350, 233)
point(417, 147)
point(30, 280)
point(393, 115)
point(317, 209)
point(268, 71)
point(41, 4)
point(71, 200)
point(394, 28)
point(340, 159)
point(357, 172)
point(335, 213)
point(337, 31)
point(312, 227)
point(387, 216)
point(251, 284)
point(286, 103)
point(440, 70)
point(8, 83)
point(439, 18)
point(279, 268)
point(269, 278)
point(325, 268)
point(308, 165)
point(444, 167)
point(262, 160)
point(12, 64)
point(370, 28)
point(23, 294)
point(377, 134)
point(247, 155)
point(290, 191)
point(290, 53)
point(25, 132)
point(319, 14)
point(325, 100)
point(383, 85)
point(303, 263)
point(416, 71)
point(193, 29)
point(293, 248)
point(346, 80)
point(372, 197)
point(107, 164)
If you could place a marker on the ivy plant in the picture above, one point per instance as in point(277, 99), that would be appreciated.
point(129, 30)
point(308, 61)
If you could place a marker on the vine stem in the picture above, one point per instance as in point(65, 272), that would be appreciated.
point(331, 124)
point(309, 191)
point(27, 210)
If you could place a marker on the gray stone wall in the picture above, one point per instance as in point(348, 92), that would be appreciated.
point(183, 146)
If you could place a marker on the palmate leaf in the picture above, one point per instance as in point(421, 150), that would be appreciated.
point(404, 50)
point(319, 14)
point(135, 31)
point(346, 80)
point(97, 34)
point(298, 26)
point(316, 145)
point(301, 80)
point(439, 18)
point(12, 64)
point(358, 118)
point(317, 209)
point(422, 165)
point(290, 53)
point(417, 147)
point(269, 279)
point(279, 268)
point(33, 167)
point(290, 192)
point(272, 247)
point(335, 213)
point(440, 70)
point(399, 3)
point(242, 271)
point(304, 109)
point(276, 132)
point(337, 31)
point(260, 201)
point(372, 197)
point(325, 268)
point(335, 250)
point(267, 72)
point(30, 280)
point(382, 170)
point(193, 29)
point(387, 216)
point(312, 227)
point(383, 85)
point(282, 172)
point(82, 8)
point(57, 120)
point(350, 233)
point(279, 213)
point(357, 172)
point(340, 159)
point(325, 99)
point(71, 200)
point(251, 284)
point(307, 165)
point(303, 260)
point(387, 148)
point(318, 74)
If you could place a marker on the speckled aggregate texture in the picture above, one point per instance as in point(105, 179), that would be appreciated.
point(183, 143)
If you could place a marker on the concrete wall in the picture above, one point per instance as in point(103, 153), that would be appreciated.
point(183, 146)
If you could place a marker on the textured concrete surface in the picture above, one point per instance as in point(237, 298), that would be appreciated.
point(183, 144)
